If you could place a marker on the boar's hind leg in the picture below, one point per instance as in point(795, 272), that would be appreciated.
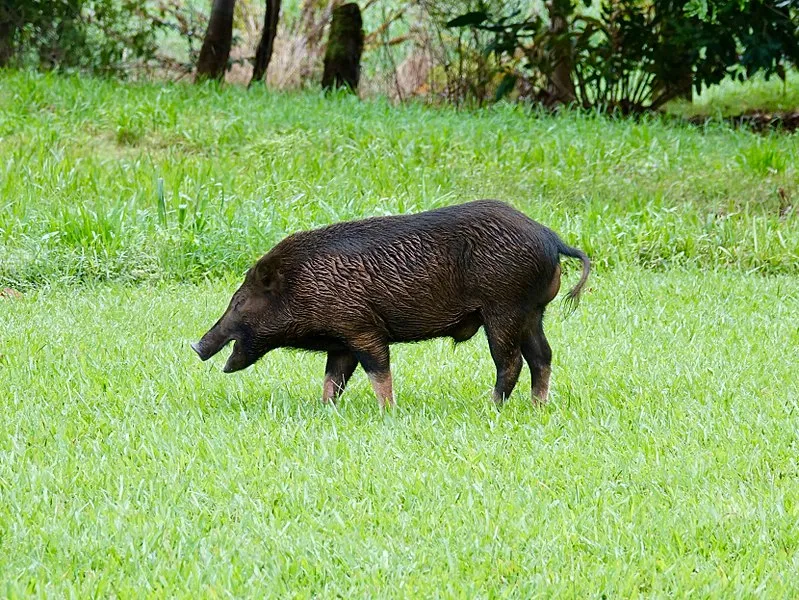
point(338, 370)
point(503, 342)
point(538, 355)
point(375, 361)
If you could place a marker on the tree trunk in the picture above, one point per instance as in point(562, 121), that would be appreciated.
point(681, 79)
point(264, 52)
point(8, 29)
point(344, 48)
point(216, 45)
point(561, 86)
point(682, 88)
point(6, 43)
point(685, 85)
point(675, 71)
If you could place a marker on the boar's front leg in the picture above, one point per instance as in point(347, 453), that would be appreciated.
point(374, 359)
point(338, 370)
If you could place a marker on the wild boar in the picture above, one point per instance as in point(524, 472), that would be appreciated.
point(351, 289)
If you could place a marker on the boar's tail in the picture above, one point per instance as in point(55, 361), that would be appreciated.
point(573, 297)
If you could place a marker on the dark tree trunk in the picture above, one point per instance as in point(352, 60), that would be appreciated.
point(687, 87)
point(7, 30)
point(684, 86)
point(264, 52)
point(216, 45)
point(681, 88)
point(561, 86)
point(344, 47)
point(9, 20)
point(675, 71)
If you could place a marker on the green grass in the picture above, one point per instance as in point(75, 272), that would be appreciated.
point(732, 98)
point(665, 464)
point(80, 163)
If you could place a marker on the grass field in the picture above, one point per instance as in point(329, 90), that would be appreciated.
point(665, 464)
point(80, 165)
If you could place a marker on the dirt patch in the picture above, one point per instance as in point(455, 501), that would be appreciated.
point(758, 121)
point(10, 294)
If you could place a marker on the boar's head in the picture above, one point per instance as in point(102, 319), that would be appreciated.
point(251, 320)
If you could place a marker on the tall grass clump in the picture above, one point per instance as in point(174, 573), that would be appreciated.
point(103, 180)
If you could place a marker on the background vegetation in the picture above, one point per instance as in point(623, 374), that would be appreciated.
point(617, 55)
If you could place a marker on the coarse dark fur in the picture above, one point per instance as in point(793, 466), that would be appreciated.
point(352, 289)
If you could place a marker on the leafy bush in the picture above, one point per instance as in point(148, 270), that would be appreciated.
point(466, 69)
point(635, 55)
point(99, 36)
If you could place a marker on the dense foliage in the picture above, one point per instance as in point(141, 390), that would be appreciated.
point(635, 54)
point(89, 35)
point(626, 55)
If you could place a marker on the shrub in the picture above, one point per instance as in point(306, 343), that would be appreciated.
point(636, 55)
point(100, 36)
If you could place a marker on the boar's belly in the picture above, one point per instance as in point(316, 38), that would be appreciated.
point(417, 328)
point(318, 342)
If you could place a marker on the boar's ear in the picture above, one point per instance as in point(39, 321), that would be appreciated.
point(268, 275)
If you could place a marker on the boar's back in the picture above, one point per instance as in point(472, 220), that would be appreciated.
point(418, 276)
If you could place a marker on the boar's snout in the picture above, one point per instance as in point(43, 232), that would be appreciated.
point(197, 347)
point(244, 323)
point(220, 335)
point(211, 343)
